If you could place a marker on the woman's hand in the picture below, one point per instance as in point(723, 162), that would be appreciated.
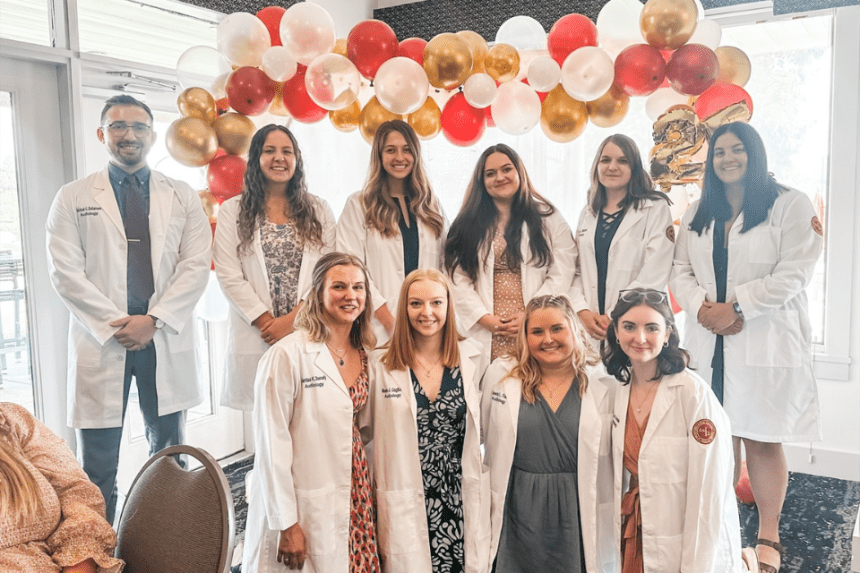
point(262, 321)
point(88, 566)
point(495, 324)
point(733, 328)
point(717, 316)
point(291, 547)
point(277, 328)
point(595, 324)
point(511, 326)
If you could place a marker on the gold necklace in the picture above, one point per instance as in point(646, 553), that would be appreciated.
point(554, 388)
point(340, 353)
point(424, 366)
point(653, 390)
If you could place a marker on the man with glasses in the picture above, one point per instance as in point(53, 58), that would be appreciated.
point(129, 254)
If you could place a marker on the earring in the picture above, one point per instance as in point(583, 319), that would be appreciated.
point(666, 344)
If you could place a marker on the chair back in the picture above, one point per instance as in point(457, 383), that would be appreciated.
point(175, 520)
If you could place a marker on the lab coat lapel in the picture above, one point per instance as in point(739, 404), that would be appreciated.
point(403, 378)
point(619, 422)
point(470, 390)
point(663, 400)
point(160, 205)
point(326, 364)
point(631, 217)
point(513, 395)
point(103, 195)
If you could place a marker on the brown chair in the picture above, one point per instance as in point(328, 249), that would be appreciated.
point(175, 520)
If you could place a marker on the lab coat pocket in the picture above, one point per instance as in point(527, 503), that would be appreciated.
point(398, 515)
point(669, 457)
point(669, 549)
point(628, 253)
point(764, 244)
point(774, 340)
point(316, 517)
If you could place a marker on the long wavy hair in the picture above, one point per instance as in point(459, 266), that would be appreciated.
point(252, 205)
point(527, 368)
point(19, 492)
point(381, 211)
point(640, 187)
point(310, 317)
point(760, 188)
point(401, 347)
point(672, 358)
point(471, 235)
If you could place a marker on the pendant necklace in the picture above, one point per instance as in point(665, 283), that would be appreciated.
point(647, 395)
point(340, 353)
point(424, 366)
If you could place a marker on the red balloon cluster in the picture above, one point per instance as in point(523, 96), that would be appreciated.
point(570, 33)
point(250, 91)
point(640, 70)
point(225, 176)
point(369, 45)
point(718, 97)
point(298, 102)
point(271, 17)
point(462, 124)
point(413, 48)
point(692, 69)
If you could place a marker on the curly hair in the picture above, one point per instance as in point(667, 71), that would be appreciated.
point(252, 205)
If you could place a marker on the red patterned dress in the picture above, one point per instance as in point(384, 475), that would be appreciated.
point(363, 556)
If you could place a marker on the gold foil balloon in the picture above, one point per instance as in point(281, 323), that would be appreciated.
point(502, 62)
point(210, 204)
point(278, 107)
point(234, 132)
point(427, 121)
point(610, 108)
point(372, 116)
point(735, 66)
point(447, 61)
point(197, 102)
point(340, 47)
point(346, 119)
point(668, 24)
point(478, 47)
point(191, 141)
point(562, 118)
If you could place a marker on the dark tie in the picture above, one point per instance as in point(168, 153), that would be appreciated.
point(140, 283)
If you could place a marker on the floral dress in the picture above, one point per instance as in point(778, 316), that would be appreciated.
point(282, 251)
point(363, 555)
point(441, 429)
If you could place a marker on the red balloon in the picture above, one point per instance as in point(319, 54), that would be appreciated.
point(298, 102)
point(692, 69)
point(222, 105)
point(640, 69)
point(413, 48)
point(570, 33)
point(488, 116)
point(271, 17)
point(250, 91)
point(369, 44)
point(225, 176)
point(719, 97)
point(462, 124)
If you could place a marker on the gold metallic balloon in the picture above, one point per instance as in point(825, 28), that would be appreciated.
point(210, 204)
point(502, 62)
point(372, 116)
point(197, 102)
point(278, 107)
point(668, 24)
point(735, 66)
point(478, 47)
point(191, 141)
point(340, 47)
point(447, 61)
point(346, 119)
point(562, 118)
point(610, 108)
point(427, 121)
point(234, 132)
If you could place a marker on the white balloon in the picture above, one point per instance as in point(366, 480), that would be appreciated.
point(332, 81)
point(199, 66)
point(618, 25)
point(516, 108)
point(218, 88)
point(480, 90)
point(242, 39)
point(587, 73)
point(401, 85)
point(544, 74)
point(279, 64)
point(307, 31)
point(661, 100)
point(523, 33)
point(708, 33)
point(700, 10)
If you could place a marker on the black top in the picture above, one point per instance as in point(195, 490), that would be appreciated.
point(410, 242)
point(607, 225)
point(721, 269)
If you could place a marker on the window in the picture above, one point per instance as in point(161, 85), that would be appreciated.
point(25, 21)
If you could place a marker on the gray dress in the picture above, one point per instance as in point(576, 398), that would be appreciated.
point(541, 527)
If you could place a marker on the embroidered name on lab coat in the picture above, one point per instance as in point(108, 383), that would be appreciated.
point(499, 397)
point(313, 382)
point(89, 211)
point(394, 392)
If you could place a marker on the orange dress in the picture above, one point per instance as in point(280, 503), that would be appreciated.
point(631, 511)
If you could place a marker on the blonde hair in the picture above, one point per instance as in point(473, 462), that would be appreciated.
point(381, 211)
point(401, 347)
point(310, 316)
point(20, 498)
point(528, 370)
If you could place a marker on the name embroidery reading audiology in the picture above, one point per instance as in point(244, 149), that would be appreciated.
point(88, 211)
point(313, 382)
point(395, 392)
point(499, 397)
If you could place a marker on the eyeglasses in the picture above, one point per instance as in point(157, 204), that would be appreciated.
point(121, 128)
point(649, 295)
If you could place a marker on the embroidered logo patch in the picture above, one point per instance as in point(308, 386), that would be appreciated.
point(704, 431)
point(816, 226)
point(670, 232)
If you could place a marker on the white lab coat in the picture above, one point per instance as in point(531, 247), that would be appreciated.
point(472, 301)
point(640, 255)
point(303, 420)
point(87, 261)
point(245, 282)
point(383, 256)
point(769, 391)
point(500, 416)
point(689, 513)
point(404, 544)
